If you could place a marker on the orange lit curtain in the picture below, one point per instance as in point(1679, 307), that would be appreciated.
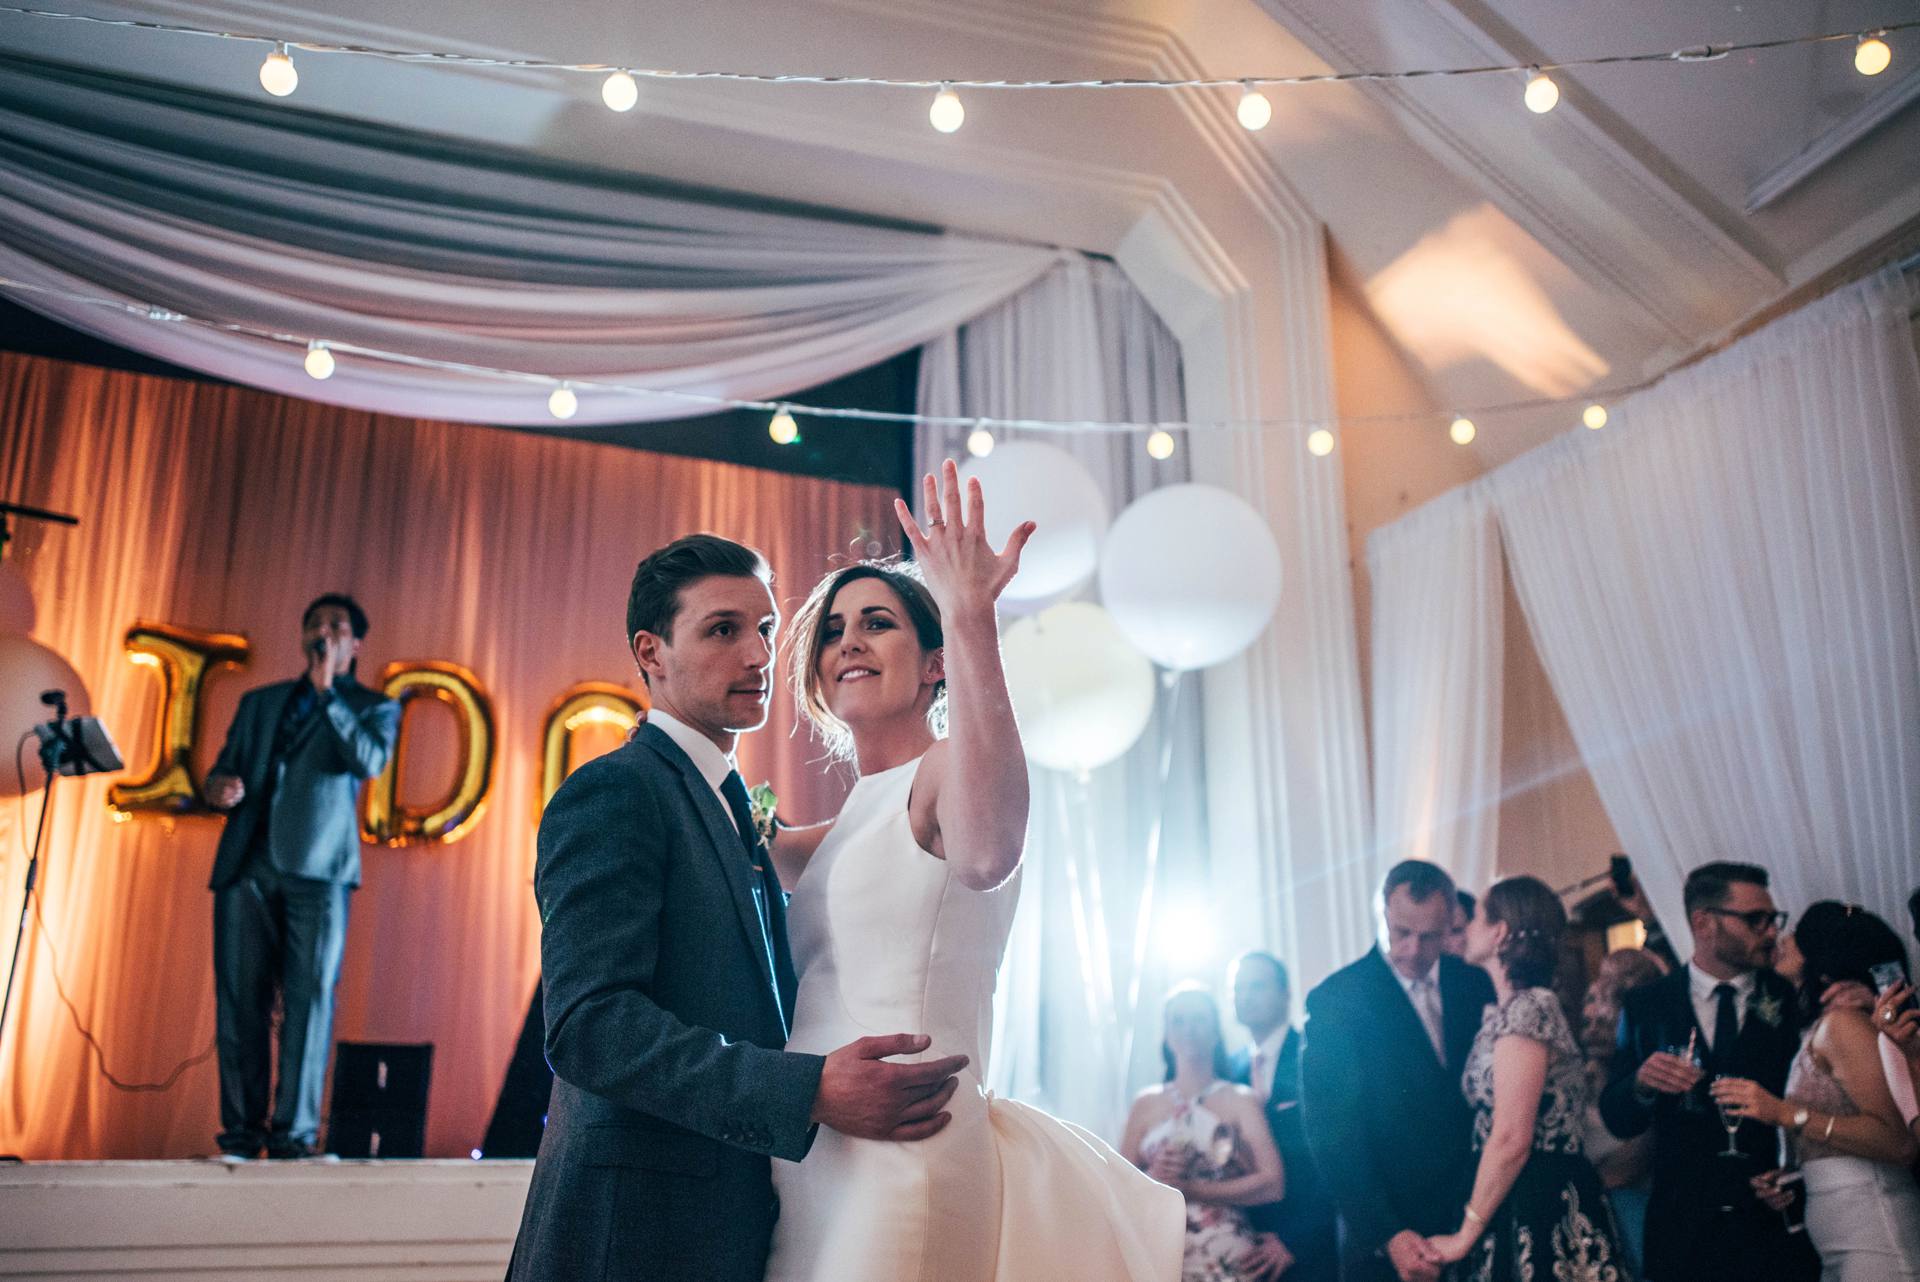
point(225, 508)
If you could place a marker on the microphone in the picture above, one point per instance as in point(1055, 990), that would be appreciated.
point(317, 648)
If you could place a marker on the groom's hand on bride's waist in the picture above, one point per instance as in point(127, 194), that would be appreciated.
point(864, 1096)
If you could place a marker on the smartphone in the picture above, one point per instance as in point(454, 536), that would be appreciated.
point(1888, 973)
point(1620, 871)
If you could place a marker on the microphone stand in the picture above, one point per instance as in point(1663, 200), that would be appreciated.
point(50, 753)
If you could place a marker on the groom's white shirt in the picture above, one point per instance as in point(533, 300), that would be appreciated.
point(714, 765)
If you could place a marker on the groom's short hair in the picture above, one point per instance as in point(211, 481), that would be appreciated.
point(659, 579)
point(1423, 880)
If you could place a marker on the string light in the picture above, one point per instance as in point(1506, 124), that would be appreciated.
point(980, 442)
point(1160, 444)
point(277, 74)
point(1320, 442)
point(1542, 94)
point(782, 428)
point(1872, 56)
point(1462, 431)
point(1254, 110)
point(562, 403)
point(946, 114)
point(619, 91)
point(319, 360)
point(708, 402)
point(1692, 54)
point(1594, 416)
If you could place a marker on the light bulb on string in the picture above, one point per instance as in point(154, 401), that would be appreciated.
point(1542, 94)
point(1872, 56)
point(1254, 110)
point(782, 428)
point(1160, 445)
point(562, 403)
point(980, 442)
point(1320, 442)
point(946, 114)
point(319, 360)
point(1462, 431)
point(277, 74)
point(1594, 416)
point(619, 91)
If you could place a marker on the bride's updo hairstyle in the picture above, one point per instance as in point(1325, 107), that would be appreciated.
point(1535, 921)
point(809, 632)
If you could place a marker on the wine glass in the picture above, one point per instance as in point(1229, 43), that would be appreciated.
point(1729, 1121)
point(1788, 1156)
point(1687, 1052)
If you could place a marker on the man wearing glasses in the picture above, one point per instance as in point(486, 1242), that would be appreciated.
point(1725, 1013)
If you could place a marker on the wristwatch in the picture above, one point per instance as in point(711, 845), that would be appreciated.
point(1800, 1119)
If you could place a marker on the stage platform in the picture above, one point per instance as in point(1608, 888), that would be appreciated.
point(423, 1221)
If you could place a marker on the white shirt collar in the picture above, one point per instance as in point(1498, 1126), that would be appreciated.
point(1271, 1046)
point(1432, 977)
point(714, 765)
point(1702, 984)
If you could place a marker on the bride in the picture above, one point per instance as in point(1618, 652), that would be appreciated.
point(899, 915)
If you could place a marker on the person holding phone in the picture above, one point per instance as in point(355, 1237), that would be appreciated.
point(1863, 1210)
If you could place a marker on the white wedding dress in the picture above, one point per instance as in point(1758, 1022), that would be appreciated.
point(887, 940)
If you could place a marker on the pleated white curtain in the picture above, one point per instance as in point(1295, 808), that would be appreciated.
point(302, 225)
point(1438, 632)
point(1724, 587)
point(1081, 343)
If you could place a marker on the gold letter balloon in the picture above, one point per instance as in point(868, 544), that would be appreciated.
point(581, 707)
point(180, 658)
point(384, 819)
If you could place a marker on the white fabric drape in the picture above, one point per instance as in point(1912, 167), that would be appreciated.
point(1724, 587)
point(303, 225)
point(1438, 631)
point(1082, 344)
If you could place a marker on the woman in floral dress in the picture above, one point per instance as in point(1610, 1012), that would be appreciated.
point(1538, 1208)
point(1208, 1137)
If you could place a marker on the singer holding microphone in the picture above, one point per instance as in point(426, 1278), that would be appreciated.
point(289, 859)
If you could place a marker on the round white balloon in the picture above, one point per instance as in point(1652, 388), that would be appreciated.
point(1191, 575)
point(26, 669)
point(1083, 695)
point(1030, 481)
point(16, 601)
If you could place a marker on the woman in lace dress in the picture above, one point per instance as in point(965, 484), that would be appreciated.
point(1863, 1212)
point(1538, 1209)
point(1208, 1137)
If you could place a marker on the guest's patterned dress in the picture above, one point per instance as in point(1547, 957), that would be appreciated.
point(1217, 1236)
point(1556, 1225)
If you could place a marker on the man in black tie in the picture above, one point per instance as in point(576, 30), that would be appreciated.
point(1303, 1221)
point(1387, 1041)
point(1722, 1014)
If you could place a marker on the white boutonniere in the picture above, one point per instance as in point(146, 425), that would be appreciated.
point(762, 803)
point(1765, 1009)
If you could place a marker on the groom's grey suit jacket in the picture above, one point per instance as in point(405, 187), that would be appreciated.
point(667, 1002)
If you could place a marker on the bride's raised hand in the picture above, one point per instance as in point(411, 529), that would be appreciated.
point(961, 570)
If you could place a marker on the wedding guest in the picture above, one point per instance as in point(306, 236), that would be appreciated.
point(1303, 1220)
point(1625, 1166)
point(1863, 1211)
point(1722, 1014)
point(1206, 1136)
point(1386, 1041)
point(1537, 1206)
point(1462, 916)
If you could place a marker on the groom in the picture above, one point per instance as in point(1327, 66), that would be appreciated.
point(667, 980)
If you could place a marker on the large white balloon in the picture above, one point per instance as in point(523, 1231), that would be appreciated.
point(26, 669)
point(1029, 481)
point(1083, 695)
point(1191, 575)
point(16, 601)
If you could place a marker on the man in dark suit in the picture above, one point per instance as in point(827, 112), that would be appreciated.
point(1386, 1042)
point(1740, 1019)
point(667, 978)
point(289, 858)
point(1303, 1221)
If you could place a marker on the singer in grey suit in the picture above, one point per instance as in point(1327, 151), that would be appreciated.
point(289, 858)
point(667, 981)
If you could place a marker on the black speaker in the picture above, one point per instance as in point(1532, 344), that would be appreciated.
point(379, 1100)
point(520, 1114)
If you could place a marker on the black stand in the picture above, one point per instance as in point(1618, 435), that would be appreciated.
point(50, 753)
